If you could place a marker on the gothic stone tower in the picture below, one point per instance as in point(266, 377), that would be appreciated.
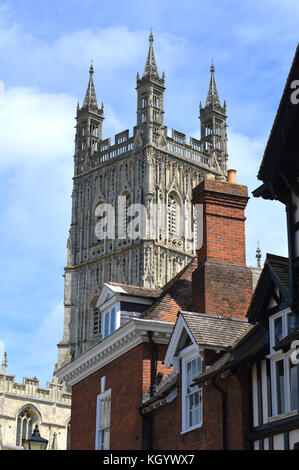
point(151, 167)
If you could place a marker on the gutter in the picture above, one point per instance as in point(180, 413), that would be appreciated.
point(154, 361)
point(224, 414)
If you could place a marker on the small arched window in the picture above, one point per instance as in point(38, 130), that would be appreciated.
point(173, 215)
point(125, 221)
point(25, 424)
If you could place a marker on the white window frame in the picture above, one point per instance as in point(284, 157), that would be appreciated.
point(276, 356)
point(285, 357)
point(103, 396)
point(284, 315)
point(115, 306)
point(189, 354)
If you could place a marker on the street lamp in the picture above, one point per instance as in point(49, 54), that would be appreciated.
point(35, 442)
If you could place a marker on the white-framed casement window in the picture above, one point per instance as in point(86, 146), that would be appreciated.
point(284, 373)
point(103, 413)
point(110, 321)
point(285, 383)
point(281, 325)
point(191, 394)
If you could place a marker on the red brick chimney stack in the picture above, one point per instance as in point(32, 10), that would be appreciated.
point(222, 284)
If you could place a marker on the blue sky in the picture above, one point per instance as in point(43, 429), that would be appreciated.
point(45, 52)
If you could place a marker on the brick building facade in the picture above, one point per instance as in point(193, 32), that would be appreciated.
point(206, 365)
point(140, 367)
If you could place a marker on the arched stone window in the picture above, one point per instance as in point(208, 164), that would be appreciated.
point(125, 218)
point(96, 324)
point(26, 422)
point(173, 218)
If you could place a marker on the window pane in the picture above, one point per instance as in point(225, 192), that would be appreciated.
point(280, 387)
point(106, 327)
point(293, 322)
point(104, 423)
point(294, 386)
point(112, 321)
point(278, 330)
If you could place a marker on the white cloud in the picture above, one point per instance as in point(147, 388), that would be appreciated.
point(265, 219)
point(50, 329)
point(35, 127)
point(245, 154)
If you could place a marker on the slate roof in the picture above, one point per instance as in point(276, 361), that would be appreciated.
point(275, 272)
point(280, 267)
point(176, 295)
point(245, 348)
point(137, 291)
point(212, 330)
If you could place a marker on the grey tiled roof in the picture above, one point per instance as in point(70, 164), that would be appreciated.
point(249, 343)
point(280, 267)
point(213, 330)
point(137, 291)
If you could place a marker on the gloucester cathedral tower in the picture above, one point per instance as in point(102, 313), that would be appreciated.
point(149, 167)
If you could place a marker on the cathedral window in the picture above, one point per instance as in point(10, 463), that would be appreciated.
point(103, 421)
point(96, 322)
point(218, 128)
point(172, 215)
point(208, 129)
point(206, 146)
point(143, 117)
point(179, 139)
point(125, 213)
point(25, 425)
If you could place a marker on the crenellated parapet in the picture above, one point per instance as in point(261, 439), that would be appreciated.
point(30, 388)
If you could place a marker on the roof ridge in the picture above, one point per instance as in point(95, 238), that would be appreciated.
point(219, 317)
point(131, 285)
point(272, 257)
point(168, 285)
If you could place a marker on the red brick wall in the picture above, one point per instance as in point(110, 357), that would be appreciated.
point(209, 436)
point(127, 376)
point(221, 289)
point(223, 221)
point(176, 296)
point(222, 284)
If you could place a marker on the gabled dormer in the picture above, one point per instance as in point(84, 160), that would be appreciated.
point(119, 303)
point(195, 338)
point(272, 293)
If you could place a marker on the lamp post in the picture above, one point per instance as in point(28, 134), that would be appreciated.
point(35, 442)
